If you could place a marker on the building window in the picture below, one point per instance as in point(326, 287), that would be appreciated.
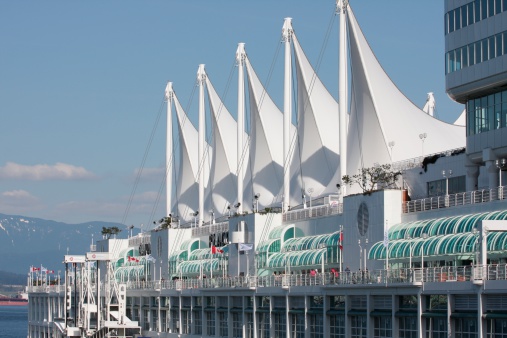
point(408, 327)
point(316, 323)
point(475, 52)
point(471, 13)
point(146, 319)
point(280, 324)
point(154, 320)
point(210, 323)
point(174, 320)
point(466, 327)
point(487, 113)
point(163, 318)
point(197, 322)
point(337, 326)
point(249, 325)
point(497, 328)
point(237, 324)
point(185, 322)
point(436, 327)
point(382, 327)
point(438, 188)
point(263, 319)
point(297, 325)
point(223, 324)
point(358, 326)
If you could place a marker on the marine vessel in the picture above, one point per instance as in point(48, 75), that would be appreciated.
point(19, 299)
point(368, 218)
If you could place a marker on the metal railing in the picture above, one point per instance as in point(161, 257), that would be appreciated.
point(210, 229)
point(413, 276)
point(317, 211)
point(448, 201)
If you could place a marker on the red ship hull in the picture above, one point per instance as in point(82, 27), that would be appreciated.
point(13, 302)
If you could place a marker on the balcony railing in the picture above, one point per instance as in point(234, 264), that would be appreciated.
point(414, 276)
point(317, 211)
point(448, 201)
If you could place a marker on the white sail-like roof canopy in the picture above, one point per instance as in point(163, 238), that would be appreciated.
point(266, 146)
point(187, 194)
point(223, 179)
point(381, 114)
point(316, 162)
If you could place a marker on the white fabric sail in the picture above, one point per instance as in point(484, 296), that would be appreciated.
point(381, 115)
point(187, 194)
point(223, 169)
point(318, 132)
point(266, 148)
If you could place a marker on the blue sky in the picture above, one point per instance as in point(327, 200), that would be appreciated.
point(82, 84)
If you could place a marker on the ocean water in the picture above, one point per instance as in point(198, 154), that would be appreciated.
point(13, 321)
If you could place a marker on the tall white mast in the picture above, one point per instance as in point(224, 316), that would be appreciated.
point(201, 81)
point(240, 59)
point(341, 7)
point(287, 112)
point(169, 93)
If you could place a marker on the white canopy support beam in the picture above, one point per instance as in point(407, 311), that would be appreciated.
point(341, 7)
point(169, 94)
point(240, 59)
point(287, 32)
point(201, 81)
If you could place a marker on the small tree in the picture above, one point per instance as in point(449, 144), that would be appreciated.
point(374, 178)
point(107, 232)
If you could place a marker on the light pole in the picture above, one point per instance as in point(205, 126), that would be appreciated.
point(423, 137)
point(475, 232)
point(391, 145)
point(446, 175)
point(310, 191)
point(365, 252)
point(256, 197)
point(360, 253)
point(408, 237)
point(500, 164)
point(424, 237)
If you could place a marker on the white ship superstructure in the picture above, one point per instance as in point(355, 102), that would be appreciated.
point(263, 238)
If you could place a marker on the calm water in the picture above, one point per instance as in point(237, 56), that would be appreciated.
point(13, 321)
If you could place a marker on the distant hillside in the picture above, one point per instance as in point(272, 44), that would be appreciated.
point(26, 241)
point(9, 278)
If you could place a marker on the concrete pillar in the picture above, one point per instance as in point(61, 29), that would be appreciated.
point(472, 178)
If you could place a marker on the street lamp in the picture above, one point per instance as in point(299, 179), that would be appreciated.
point(423, 137)
point(446, 175)
point(365, 252)
point(360, 253)
point(476, 234)
point(212, 217)
point(500, 164)
point(310, 191)
point(256, 197)
point(408, 237)
point(424, 237)
point(391, 145)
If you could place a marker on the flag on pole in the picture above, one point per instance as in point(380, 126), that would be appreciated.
point(35, 269)
point(245, 246)
point(50, 271)
point(215, 250)
point(150, 258)
point(386, 238)
point(43, 269)
point(341, 240)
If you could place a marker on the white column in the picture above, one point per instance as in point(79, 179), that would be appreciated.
point(341, 7)
point(287, 112)
point(201, 76)
point(169, 146)
point(240, 59)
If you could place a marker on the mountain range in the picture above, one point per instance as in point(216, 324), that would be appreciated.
point(27, 241)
